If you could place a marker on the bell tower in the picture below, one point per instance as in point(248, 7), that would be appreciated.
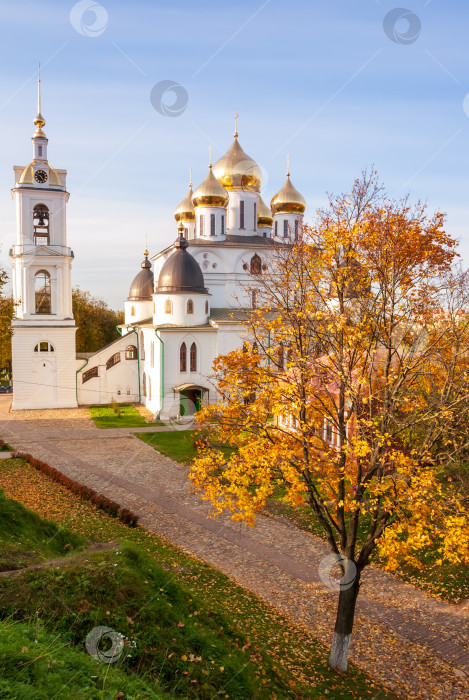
point(43, 342)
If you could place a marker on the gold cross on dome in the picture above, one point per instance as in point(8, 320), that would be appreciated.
point(288, 166)
point(210, 157)
point(236, 125)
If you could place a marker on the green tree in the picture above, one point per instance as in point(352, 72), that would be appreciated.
point(7, 309)
point(95, 320)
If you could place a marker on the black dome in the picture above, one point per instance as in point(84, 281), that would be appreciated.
point(141, 288)
point(181, 273)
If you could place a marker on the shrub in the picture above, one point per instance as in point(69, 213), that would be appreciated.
point(85, 492)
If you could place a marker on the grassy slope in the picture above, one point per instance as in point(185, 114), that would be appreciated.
point(282, 660)
point(104, 417)
point(36, 665)
point(26, 539)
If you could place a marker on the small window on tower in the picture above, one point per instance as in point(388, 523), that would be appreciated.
point(39, 151)
point(222, 224)
point(276, 228)
point(206, 307)
point(255, 217)
point(132, 310)
point(201, 225)
point(190, 306)
point(167, 306)
point(212, 224)
point(296, 229)
point(285, 228)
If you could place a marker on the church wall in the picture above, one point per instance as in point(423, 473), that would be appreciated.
point(119, 382)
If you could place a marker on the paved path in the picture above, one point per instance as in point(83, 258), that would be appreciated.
point(405, 638)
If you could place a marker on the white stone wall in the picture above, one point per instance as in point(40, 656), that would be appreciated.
point(43, 379)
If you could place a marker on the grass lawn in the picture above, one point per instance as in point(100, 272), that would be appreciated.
point(176, 444)
point(105, 417)
point(190, 631)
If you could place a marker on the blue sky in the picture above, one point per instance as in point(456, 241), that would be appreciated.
point(319, 80)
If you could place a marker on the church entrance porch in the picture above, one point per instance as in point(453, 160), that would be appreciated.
point(190, 401)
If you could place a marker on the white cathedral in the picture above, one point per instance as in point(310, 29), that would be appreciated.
point(179, 316)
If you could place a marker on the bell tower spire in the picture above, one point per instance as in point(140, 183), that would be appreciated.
point(39, 138)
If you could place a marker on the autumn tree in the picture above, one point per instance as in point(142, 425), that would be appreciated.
point(352, 390)
point(95, 320)
point(7, 309)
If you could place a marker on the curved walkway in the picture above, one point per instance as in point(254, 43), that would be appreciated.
point(406, 639)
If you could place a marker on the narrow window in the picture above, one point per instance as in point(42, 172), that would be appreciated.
point(212, 224)
point(255, 216)
point(167, 306)
point(276, 228)
point(190, 306)
point(142, 346)
point(149, 388)
point(296, 229)
point(265, 234)
point(206, 307)
point(254, 299)
point(183, 358)
point(285, 229)
point(132, 310)
point(201, 225)
point(328, 431)
point(193, 358)
point(222, 224)
point(43, 292)
point(39, 151)
point(241, 214)
point(41, 225)
point(144, 384)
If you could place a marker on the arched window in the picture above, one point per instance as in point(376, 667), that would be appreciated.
point(256, 265)
point(131, 352)
point(89, 374)
point(144, 384)
point(206, 307)
point(193, 358)
point(132, 310)
point(142, 346)
point(44, 346)
point(280, 356)
point(113, 360)
point(41, 225)
point(190, 306)
point(167, 306)
point(43, 292)
point(183, 358)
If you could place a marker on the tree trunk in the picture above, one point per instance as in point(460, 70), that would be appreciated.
point(338, 658)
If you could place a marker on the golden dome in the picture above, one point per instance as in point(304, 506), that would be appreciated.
point(185, 209)
point(288, 200)
point(264, 215)
point(237, 170)
point(210, 193)
point(27, 176)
